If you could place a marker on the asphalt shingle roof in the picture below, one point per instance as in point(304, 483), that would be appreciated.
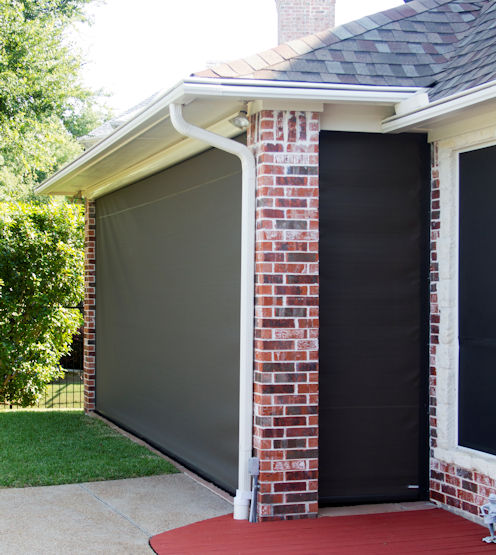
point(449, 45)
point(475, 60)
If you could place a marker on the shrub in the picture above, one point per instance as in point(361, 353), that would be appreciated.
point(41, 275)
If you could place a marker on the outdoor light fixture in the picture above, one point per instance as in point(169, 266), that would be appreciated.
point(241, 120)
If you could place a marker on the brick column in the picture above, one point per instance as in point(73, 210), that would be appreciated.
point(286, 312)
point(89, 306)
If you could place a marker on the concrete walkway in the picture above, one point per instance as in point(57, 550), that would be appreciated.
point(115, 517)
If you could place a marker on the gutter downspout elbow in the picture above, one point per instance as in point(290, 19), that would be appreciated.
point(243, 493)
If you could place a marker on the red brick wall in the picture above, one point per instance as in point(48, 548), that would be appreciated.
point(297, 18)
point(89, 306)
point(458, 488)
point(286, 312)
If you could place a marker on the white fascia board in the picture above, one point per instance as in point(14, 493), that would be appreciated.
point(146, 119)
point(249, 89)
point(229, 89)
point(297, 84)
point(441, 108)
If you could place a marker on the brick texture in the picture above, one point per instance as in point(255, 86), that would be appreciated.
point(89, 306)
point(286, 312)
point(460, 488)
point(297, 18)
point(450, 485)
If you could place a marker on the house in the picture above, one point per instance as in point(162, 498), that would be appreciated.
point(364, 196)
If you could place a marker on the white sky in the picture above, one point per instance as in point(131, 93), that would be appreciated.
point(137, 47)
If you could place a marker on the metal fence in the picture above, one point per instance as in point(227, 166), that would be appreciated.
point(66, 392)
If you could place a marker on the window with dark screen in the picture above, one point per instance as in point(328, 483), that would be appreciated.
point(477, 300)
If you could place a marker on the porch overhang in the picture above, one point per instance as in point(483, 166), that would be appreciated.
point(148, 143)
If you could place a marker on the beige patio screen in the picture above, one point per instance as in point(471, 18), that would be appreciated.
point(168, 287)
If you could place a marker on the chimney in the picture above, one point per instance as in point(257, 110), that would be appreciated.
point(297, 18)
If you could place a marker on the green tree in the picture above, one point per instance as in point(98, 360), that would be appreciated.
point(41, 275)
point(43, 106)
point(61, 9)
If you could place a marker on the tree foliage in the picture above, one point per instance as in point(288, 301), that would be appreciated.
point(43, 106)
point(62, 9)
point(41, 275)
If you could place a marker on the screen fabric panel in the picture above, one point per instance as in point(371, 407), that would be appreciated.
point(167, 311)
point(373, 315)
point(477, 300)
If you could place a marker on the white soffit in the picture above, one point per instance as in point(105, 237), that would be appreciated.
point(123, 158)
point(148, 143)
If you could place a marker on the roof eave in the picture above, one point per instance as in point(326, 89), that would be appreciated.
point(122, 135)
point(232, 91)
point(441, 109)
point(258, 89)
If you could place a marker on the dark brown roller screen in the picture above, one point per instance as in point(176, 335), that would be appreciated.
point(373, 313)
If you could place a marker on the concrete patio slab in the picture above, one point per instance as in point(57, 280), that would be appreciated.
point(160, 503)
point(115, 517)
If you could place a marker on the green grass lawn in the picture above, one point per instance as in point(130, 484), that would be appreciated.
point(41, 448)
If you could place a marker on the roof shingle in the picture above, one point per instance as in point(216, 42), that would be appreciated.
point(475, 60)
point(443, 44)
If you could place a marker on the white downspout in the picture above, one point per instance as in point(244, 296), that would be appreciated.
point(241, 501)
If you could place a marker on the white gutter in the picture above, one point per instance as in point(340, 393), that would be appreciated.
point(243, 493)
point(149, 117)
point(238, 89)
point(296, 84)
point(442, 107)
point(292, 90)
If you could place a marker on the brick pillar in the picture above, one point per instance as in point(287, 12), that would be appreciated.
point(286, 312)
point(298, 18)
point(89, 306)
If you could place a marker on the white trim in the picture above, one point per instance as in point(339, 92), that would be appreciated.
point(412, 103)
point(286, 90)
point(482, 117)
point(441, 107)
point(299, 85)
point(352, 117)
point(286, 105)
point(149, 117)
point(448, 449)
point(217, 90)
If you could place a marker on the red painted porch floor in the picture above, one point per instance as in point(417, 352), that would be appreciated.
point(428, 531)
